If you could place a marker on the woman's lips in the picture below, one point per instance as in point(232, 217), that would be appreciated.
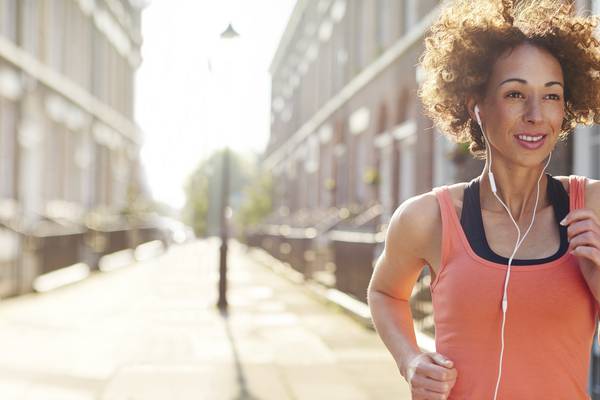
point(531, 145)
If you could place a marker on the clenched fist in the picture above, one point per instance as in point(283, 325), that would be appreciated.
point(431, 376)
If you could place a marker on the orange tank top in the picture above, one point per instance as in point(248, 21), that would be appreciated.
point(549, 326)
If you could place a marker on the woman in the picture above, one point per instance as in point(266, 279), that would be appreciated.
point(514, 255)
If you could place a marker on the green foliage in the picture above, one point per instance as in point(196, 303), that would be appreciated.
point(202, 209)
point(329, 183)
point(371, 176)
point(460, 152)
point(196, 207)
point(139, 204)
point(257, 203)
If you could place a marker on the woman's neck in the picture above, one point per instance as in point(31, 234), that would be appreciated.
point(517, 188)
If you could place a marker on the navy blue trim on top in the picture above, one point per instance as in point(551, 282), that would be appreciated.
point(472, 222)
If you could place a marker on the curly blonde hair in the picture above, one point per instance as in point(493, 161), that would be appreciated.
point(469, 36)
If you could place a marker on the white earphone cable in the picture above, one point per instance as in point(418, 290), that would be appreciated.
point(518, 243)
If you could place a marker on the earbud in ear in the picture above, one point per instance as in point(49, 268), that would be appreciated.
point(476, 109)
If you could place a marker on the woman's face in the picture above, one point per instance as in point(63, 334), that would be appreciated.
point(524, 97)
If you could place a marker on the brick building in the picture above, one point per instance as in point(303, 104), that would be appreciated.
point(349, 141)
point(68, 144)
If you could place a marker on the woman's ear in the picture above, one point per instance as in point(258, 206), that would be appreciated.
point(471, 102)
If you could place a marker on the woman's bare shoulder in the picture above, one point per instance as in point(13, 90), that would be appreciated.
point(422, 213)
point(413, 239)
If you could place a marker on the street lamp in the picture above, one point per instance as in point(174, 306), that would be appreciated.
point(228, 34)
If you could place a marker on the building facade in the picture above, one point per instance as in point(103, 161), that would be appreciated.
point(349, 142)
point(344, 105)
point(68, 144)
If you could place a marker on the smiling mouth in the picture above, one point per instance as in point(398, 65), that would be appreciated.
point(530, 138)
point(531, 142)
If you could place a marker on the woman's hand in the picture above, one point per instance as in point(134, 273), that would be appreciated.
point(584, 235)
point(431, 376)
point(584, 242)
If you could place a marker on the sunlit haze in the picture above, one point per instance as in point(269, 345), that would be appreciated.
point(193, 94)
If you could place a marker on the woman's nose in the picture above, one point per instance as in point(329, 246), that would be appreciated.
point(533, 112)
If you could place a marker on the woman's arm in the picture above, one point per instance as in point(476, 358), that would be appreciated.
point(409, 235)
point(584, 236)
point(408, 239)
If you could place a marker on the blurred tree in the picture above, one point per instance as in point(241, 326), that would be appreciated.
point(140, 204)
point(257, 202)
point(203, 190)
point(196, 205)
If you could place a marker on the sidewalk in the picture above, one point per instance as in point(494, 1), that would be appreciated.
point(315, 350)
point(151, 331)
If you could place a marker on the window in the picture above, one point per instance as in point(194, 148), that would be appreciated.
point(386, 186)
point(407, 168)
point(443, 167)
point(595, 153)
point(382, 119)
point(8, 21)
point(8, 131)
point(410, 14)
point(83, 160)
point(340, 168)
point(382, 24)
point(402, 106)
point(55, 40)
point(324, 185)
point(30, 26)
point(586, 151)
point(358, 36)
point(362, 146)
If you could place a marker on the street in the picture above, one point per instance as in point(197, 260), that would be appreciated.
point(151, 331)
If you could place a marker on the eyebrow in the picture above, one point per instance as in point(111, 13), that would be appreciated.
point(525, 82)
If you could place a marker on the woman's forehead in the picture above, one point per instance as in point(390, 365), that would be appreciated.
point(529, 63)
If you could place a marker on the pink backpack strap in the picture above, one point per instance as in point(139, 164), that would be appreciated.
point(576, 192)
point(577, 201)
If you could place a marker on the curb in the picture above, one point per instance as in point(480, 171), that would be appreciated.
point(355, 309)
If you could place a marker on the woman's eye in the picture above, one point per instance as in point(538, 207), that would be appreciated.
point(514, 95)
point(517, 95)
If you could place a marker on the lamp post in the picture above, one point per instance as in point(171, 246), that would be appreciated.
point(227, 35)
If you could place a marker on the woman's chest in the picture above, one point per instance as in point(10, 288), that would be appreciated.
point(537, 294)
point(540, 241)
point(500, 234)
